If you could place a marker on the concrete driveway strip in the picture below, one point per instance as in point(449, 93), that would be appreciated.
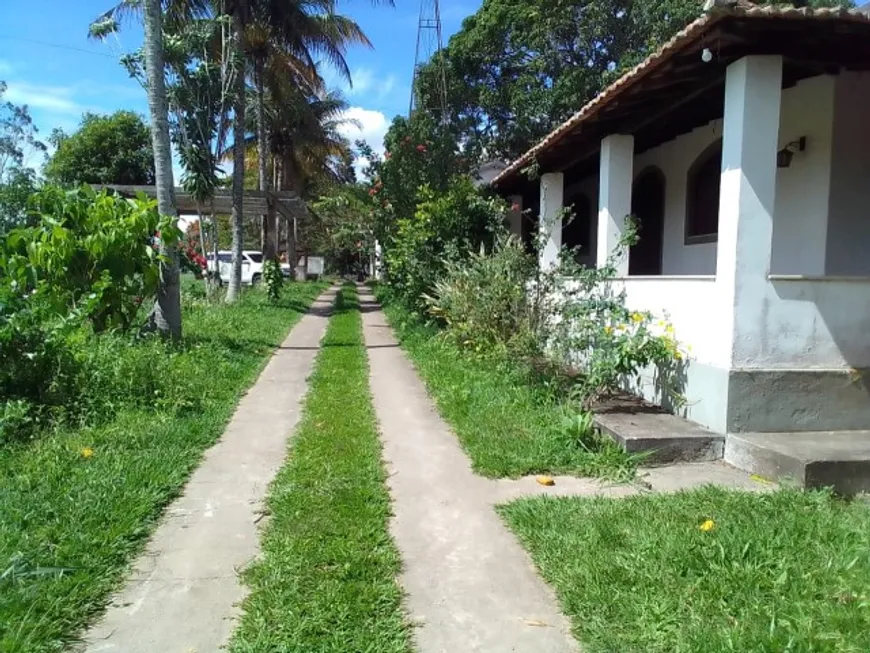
point(470, 585)
point(184, 591)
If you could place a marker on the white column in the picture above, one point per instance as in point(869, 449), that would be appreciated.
point(614, 196)
point(552, 191)
point(747, 192)
point(515, 215)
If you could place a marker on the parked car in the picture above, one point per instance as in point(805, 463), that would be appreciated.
point(252, 266)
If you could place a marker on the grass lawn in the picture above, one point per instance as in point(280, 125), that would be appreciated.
point(327, 579)
point(786, 571)
point(77, 505)
point(508, 424)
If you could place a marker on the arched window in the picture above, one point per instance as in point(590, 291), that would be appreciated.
point(702, 198)
point(577, 230)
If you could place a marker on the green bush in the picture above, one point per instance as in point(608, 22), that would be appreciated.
point(571, 321)
point(273, 280)
point(484, 300)
point(94, 253)
point(444, 228)
point(71, 289)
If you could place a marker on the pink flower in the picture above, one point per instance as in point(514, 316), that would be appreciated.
point(421, 148)
point(515, 207)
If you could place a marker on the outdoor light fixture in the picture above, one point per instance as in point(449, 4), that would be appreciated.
point(706, 55)
point(786, 154)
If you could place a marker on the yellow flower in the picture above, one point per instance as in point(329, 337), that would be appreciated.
point(678, 355)
point(87, 452)
point(608, 330)
point(636, 317)
point(707, 526)
point(669, 328)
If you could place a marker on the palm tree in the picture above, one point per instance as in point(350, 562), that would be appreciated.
point(283, 40)
point(167, 309)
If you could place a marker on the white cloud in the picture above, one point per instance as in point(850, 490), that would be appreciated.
point(372, 128)
point(56, 99)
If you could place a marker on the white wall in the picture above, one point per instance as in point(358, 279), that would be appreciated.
point(674, 159)
point(848, 245)
point(801, 323)
point(802, 189)
point(690, 305)
point(800, 220)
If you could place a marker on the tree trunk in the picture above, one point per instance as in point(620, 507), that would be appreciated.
point(270, 227)
point(238, 213)
point(167, 309)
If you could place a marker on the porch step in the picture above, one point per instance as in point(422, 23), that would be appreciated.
point(838, 459)
point(639, 427)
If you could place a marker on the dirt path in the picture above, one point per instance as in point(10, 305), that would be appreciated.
point(470, 585)
point(183, 592)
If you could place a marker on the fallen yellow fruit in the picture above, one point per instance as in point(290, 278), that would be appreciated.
point(545, 480)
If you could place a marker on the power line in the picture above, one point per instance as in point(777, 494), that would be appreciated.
point(56, 45)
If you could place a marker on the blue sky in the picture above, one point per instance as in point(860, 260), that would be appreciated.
point(60, 83)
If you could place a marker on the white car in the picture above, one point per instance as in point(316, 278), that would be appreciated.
point(252, 266)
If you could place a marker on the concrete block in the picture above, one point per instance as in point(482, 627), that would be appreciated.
point(838, 459)
point(642, 428)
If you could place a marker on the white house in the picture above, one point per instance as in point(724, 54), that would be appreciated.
point(743, 148)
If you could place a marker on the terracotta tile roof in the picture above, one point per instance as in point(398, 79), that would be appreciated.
point(719, 10)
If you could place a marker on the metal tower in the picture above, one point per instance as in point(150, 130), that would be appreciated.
point(429, 43)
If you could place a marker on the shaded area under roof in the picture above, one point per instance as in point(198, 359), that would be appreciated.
point(674, 91)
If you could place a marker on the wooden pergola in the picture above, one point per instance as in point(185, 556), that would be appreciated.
point(287, 203)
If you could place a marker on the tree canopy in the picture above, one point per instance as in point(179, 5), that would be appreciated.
point(518, 68)
point(113, 149)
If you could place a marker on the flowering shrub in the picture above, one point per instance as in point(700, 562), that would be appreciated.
point(190, 260)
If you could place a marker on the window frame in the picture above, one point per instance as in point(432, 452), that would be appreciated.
point(700, 161)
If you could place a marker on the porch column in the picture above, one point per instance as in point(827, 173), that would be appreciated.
point(614, 196)
point(515, 215)
point(552, 191)
point(747, 192)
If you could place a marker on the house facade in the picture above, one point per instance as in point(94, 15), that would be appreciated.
point(742, 148)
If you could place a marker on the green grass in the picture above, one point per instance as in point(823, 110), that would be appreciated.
point(71, 524)
point(786, 571)
point(509, 424)
point(327, 579)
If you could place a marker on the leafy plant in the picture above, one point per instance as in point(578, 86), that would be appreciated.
point(569, 320)
point(91, 252)
point(484, 302)
point(444, 228)
point(588, 323)
point(273, 280)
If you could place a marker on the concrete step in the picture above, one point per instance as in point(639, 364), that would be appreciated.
point(838, 459)
point(639, 427)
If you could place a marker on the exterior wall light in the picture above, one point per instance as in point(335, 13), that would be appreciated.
point(786, 154)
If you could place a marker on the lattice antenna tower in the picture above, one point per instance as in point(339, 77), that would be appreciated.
point(429, 43)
